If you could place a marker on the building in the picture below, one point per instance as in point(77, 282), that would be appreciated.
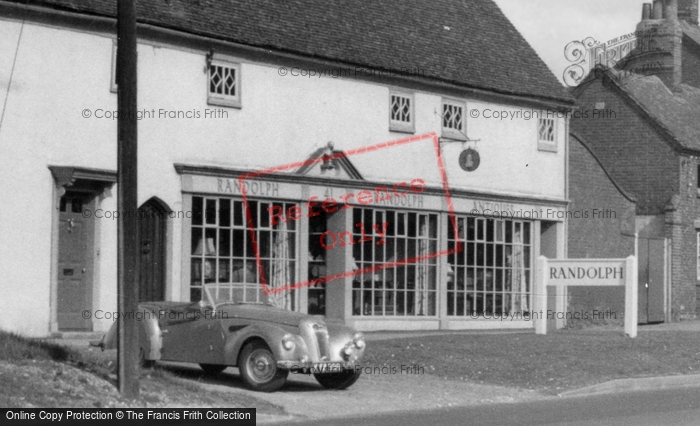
point(648, 139)
point(228, 88)
point(601, 226)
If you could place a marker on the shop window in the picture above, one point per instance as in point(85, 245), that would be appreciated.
point(454, 125)
point(492, 273)
point(547, 135)
point(224, 86)
point(223, 255)
point(317, 263)
point(386, 236)
point(401, 117)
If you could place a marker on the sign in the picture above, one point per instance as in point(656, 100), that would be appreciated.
point(469, 160)
point(608, 272)
point(586, 272)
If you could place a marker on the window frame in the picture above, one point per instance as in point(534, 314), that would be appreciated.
point(113, 77)
point(543, 144)
point(488, 259)
point(219, 99)
point(402, 126)
point(697, 253)
point(448, 132)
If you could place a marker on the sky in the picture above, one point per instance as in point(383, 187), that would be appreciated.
point(549, 25)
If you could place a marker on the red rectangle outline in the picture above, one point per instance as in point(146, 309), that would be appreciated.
point(363, 150)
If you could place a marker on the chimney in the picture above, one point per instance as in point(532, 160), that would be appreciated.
point(688, 11)
point(658, 10)
point(646, 11)
point(658, 50)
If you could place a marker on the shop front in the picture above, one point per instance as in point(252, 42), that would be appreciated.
point(369, 254)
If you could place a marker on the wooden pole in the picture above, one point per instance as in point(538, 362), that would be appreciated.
point(127, 272)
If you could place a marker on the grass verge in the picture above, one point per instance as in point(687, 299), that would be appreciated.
point(36, 373)
point(553, 363)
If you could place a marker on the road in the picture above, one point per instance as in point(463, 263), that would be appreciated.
point(676, 407)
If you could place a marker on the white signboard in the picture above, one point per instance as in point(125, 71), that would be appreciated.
point(586, 272)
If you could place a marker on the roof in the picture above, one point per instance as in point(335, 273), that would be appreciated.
point(677, 112)
point(464, 42)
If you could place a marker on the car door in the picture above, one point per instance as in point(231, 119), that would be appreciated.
point(192, 335)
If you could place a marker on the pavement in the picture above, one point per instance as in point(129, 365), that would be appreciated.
point(304, 400)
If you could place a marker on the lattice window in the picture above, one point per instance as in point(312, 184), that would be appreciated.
point(222, 80)
point(401, 108)
point(547, 134)
point(401, 112)
point(453, 120)
point(224, 84)
point(546, 129)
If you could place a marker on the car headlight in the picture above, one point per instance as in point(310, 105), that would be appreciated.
point(288, 342)
point(359, 341)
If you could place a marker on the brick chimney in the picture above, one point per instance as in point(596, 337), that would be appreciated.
point(659, 38)
point(688, 11)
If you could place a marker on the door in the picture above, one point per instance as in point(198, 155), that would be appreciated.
point(152, 252)
point(651, 284)
point(74, 292)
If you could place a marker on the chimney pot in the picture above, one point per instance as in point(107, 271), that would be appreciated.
point(646, 11)
point(658, 12)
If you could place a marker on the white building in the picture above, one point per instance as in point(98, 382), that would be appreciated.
point(226, 88)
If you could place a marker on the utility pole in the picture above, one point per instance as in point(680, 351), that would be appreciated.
point(127, 166)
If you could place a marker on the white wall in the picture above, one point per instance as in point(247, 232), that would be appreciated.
point(60, 73)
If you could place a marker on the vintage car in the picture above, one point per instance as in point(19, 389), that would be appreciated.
point(263, 341)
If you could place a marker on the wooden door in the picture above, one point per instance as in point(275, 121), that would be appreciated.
point(152, 225)
point(74, 293)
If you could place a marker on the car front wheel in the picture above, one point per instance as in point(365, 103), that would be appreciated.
point(338, 381)
point(258, 368)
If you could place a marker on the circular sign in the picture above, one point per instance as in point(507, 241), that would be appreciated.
point(469, 160)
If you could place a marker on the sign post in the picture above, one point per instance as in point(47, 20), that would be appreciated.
point(585, 272)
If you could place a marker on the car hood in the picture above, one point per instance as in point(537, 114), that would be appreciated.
point(267, 313)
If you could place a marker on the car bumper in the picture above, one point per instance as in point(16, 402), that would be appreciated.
point(317, 367)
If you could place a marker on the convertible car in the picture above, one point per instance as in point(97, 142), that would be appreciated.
point(263, 341)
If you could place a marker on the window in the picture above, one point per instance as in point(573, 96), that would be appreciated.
point(223, 257)
point(224, 83)
point(547, 135)
point(492, 273)
point(401, 117)
point(453, 120)
point(698, 255)
point(113, 80)
point(404, 290)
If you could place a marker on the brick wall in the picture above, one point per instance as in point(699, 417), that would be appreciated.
point(601, 237)
point(628, 146)
point(680, 227)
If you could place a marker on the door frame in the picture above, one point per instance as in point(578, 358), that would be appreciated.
point(94, 181)
point(166, 242)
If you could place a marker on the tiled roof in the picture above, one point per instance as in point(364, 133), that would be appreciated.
point(464, 42)
point(677, 112)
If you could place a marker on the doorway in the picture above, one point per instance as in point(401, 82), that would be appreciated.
point(75, 261)
point(651, 280)
point(152, 228)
